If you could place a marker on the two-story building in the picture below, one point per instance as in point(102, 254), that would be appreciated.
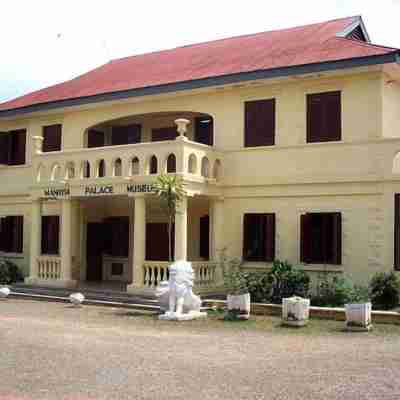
point(286, 141)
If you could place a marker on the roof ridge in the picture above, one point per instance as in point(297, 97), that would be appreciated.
point(229, 38)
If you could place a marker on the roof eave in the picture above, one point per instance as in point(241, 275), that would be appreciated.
point(392, 57)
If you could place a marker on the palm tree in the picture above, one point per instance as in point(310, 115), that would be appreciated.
point(169, 188)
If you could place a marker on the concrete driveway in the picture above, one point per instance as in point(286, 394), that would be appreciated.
point(53, 351)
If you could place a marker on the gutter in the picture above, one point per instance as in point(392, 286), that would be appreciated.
point(392, 57)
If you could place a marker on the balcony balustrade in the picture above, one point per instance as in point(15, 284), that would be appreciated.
point(180, 156)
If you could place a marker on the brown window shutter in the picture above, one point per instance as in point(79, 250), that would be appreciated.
point(161, 134)
point(324, 121)
point(305, 221)
point(18, 232)
point(397, 231)
point(270, 234)
point(17, 147)
point(259, 123)
point(337, 239)
point(51, 234)
point(204, 130)
point(95, 138)
point(5, 148)
point(7, 234)
point(247, 223)
point(52, 135)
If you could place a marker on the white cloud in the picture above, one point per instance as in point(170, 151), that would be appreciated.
point(45, 42)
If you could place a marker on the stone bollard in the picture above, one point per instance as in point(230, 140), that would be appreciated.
point(4, 292)
point(358, 317)
point(295, 311)
point(76, 299)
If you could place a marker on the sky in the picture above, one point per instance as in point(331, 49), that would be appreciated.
point(46, 42)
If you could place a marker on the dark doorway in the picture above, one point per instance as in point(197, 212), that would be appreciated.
point(157, 242)
point(205, 237)
point(95, 243)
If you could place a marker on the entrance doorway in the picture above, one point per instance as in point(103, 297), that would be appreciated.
point(95, 243)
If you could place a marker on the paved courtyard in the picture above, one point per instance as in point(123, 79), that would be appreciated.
point(53, 351)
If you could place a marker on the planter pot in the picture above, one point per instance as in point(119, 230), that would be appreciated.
point(295, 311)
point(358, 317)
point(239, 304)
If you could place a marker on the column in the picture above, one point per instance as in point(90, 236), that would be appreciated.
point(139, 238)
point(36, 235)
point(66, 237)
point(181, 231)
point(217, 238)
point(217, 221)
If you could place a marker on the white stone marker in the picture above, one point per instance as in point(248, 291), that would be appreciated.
point(183, 304)
point(358, 317)
point(76, 299)
point(4, 292)
point(295, 311)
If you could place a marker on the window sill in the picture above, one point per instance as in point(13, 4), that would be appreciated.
point(16, 256)
point(3, 166)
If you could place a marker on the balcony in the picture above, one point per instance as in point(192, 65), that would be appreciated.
point(141, 162)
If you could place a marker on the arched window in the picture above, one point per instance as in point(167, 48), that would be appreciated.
point(217, 170)
point(101, 169)
point(153, 165)
point(192, 164)
point(171, 163)
point(70, 170)
point(205, 167)
point(118, 167)
point(135, 166)
point(86, 169)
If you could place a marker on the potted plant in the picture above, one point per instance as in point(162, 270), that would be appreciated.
point(295, 311)
point(238, 296)
point(358, 310)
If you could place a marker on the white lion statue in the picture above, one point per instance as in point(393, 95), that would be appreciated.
point(176, 296)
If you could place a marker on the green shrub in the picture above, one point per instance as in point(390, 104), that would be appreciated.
point(259, 285)
point(235, 280)
point(9, 273)
point(334, 291)
point(385, 290)
point(287, 281)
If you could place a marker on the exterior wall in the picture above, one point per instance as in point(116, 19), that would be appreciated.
point(353, 176)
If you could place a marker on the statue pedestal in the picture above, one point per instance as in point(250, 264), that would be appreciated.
point(173, 316)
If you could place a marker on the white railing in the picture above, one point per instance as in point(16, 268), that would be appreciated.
point(49, 267)
point(139, 159)
point(205, 273)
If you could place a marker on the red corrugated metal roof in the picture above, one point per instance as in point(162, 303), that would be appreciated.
point(262, 51)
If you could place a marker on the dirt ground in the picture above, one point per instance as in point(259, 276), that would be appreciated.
point(54, 351)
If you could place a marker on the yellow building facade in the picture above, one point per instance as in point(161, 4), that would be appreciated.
point(354, 179)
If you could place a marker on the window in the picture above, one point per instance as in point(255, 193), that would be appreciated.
point(324, 121)
point(204, 130)
point(126, 134)
point(95, 138)
point(12, 147)
point(259, 237)
point(160, 134)
point(117, 237)
point(397, 231)
point(11, 234)
point(259, 127)
point(52, 138)
point(50, 234)
point(321, 238)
